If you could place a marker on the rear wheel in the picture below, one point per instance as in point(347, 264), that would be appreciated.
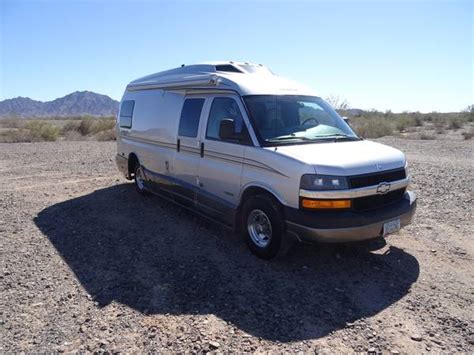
point(139, 178)
point(263, 227)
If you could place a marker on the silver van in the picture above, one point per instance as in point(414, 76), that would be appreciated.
point(259, 154)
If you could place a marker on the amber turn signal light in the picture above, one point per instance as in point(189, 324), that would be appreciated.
point(325, 204)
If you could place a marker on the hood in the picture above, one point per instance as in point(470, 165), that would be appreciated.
point(345, 158)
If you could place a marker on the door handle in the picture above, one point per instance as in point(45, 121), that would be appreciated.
point(202, 149)
point(178, 145)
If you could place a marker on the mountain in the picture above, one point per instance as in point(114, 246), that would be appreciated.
point(78, 103)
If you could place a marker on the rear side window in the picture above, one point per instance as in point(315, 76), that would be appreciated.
point(190, 115)
point(126, 113)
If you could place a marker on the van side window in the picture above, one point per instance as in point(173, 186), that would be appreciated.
point(190, 114)
point(223, 108)
point(126, 113)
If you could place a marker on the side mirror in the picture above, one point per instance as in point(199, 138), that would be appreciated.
point(346, 119)
point(227, 129)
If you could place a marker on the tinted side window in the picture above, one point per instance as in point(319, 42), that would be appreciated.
point(222, 108)
point(189, 121)
point(126, 113)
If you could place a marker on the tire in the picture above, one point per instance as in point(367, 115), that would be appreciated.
point(263, 227)
point(139, 180)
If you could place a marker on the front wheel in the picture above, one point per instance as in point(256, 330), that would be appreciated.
point(263, 227)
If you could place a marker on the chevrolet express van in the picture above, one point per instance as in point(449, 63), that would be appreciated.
point(259, 154)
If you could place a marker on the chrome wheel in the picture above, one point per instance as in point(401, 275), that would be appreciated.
point(140, 178)
point(259, 228)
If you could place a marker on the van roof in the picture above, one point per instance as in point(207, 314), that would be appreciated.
point(244, 78)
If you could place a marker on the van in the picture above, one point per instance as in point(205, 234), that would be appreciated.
point(262, 155)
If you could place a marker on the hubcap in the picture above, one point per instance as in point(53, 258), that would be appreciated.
point(259, 228)
point(139, 178)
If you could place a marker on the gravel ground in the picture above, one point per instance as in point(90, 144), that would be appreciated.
point(88, 264)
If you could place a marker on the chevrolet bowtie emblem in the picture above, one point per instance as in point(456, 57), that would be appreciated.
point(383, 188)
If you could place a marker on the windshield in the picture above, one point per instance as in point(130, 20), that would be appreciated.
point(290, 119)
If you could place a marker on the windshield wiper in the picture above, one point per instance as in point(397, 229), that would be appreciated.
point(338, 137)
point(289, 137)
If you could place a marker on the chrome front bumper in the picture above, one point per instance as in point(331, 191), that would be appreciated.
point(356, 233)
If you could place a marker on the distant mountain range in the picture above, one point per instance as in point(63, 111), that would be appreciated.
point(78, 103)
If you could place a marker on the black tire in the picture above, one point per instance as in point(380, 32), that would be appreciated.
point(139, 179)
point(253, 209)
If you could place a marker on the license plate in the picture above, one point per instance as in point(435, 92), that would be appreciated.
point(391, 227)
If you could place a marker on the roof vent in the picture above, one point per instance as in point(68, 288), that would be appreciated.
point(228, 68)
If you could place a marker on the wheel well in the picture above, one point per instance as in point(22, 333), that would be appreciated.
point(132, 163)
point(249, 192)
point(254, 191)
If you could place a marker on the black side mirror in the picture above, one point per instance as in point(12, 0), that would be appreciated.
point(227, 129)
point(346, 119)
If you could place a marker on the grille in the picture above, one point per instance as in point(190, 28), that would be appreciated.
point(377, 178)
point(377, 201)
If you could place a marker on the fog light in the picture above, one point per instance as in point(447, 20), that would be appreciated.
point(325, 204)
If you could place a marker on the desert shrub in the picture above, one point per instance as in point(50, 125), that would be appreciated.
point(468, 134)
point(102, 124)
point(15, 136)
point(427, 136)
point(34, 131)
point(85, 126)
point(440, 129)
point(372, 127)
point(411, 129)
point(468, 113)
point(42, 131)
point(418, 119)
point(90, 125)
point(108, 135)
point(11, 123)
point(73, 136)
point(402, 122)
point(455, 122)
point(70, 126)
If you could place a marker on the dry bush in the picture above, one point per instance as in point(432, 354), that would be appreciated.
point(372, 127)
point(73, 136)
point(108, 135)
point(468, 134)
point(427, 136)
point(102, 124)
point(90, 126)
point(402, 122)
point(42, 131)
point(70, 127)
point(85, 126)
point(14, 136)
point(455, 123)
point(418, 119)
point(11, 123)
point(34, 131)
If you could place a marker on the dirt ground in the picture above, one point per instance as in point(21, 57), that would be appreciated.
point(88, 264)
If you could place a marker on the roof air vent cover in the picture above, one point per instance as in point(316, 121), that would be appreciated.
point(227, 68)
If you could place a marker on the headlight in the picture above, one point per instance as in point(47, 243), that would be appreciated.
point(323, 182)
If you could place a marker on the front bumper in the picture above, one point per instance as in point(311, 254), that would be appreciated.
point(348, 226)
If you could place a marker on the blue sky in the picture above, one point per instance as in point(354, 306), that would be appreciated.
point(398, 55)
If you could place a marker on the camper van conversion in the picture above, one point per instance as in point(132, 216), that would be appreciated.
point(259, 154)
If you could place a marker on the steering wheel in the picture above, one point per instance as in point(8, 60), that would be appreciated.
point(305, 122)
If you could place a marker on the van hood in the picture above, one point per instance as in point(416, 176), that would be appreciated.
point(345, 158)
